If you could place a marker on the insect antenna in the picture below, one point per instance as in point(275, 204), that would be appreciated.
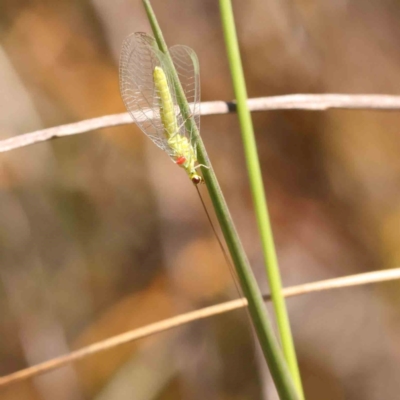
point(232, 272)
point(224, 252)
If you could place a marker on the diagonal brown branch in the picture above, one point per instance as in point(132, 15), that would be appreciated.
point(352, 280)
point(316, 102)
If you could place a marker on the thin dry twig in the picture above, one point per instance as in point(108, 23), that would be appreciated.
point(316, 102)
point(161, 326)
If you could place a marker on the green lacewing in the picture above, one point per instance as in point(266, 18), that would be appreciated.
point(148, 93)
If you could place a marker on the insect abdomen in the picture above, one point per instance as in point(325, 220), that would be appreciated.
point(167, 106)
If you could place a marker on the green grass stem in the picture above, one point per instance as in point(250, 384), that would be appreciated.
point(257, 188)
point(257, 310)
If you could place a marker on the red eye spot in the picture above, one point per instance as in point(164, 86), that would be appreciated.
point(181, 160)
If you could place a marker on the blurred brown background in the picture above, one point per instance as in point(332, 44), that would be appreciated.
point(101, 233)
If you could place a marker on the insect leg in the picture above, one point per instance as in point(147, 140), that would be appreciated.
point(182, 124)
point(201, 165)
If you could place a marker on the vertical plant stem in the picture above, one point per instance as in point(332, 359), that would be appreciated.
point(257, 188)
point(257, 310)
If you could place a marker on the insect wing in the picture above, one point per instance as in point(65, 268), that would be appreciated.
point(139, 56)
point(187, 65)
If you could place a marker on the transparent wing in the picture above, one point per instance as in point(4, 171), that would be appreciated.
point(139, 57)
point(187, 66)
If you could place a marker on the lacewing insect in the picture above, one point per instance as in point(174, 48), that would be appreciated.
point(148, 92)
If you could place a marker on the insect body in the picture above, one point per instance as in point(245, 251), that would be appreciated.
point(148, 93)
point(184, 153)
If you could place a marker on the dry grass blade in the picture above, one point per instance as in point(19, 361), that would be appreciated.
point(161, 326)
point(316, 102)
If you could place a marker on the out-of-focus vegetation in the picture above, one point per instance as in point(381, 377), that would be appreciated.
point(101, 233)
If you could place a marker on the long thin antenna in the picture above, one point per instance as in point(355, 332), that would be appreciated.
point(231, 270)
point(227, 259)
